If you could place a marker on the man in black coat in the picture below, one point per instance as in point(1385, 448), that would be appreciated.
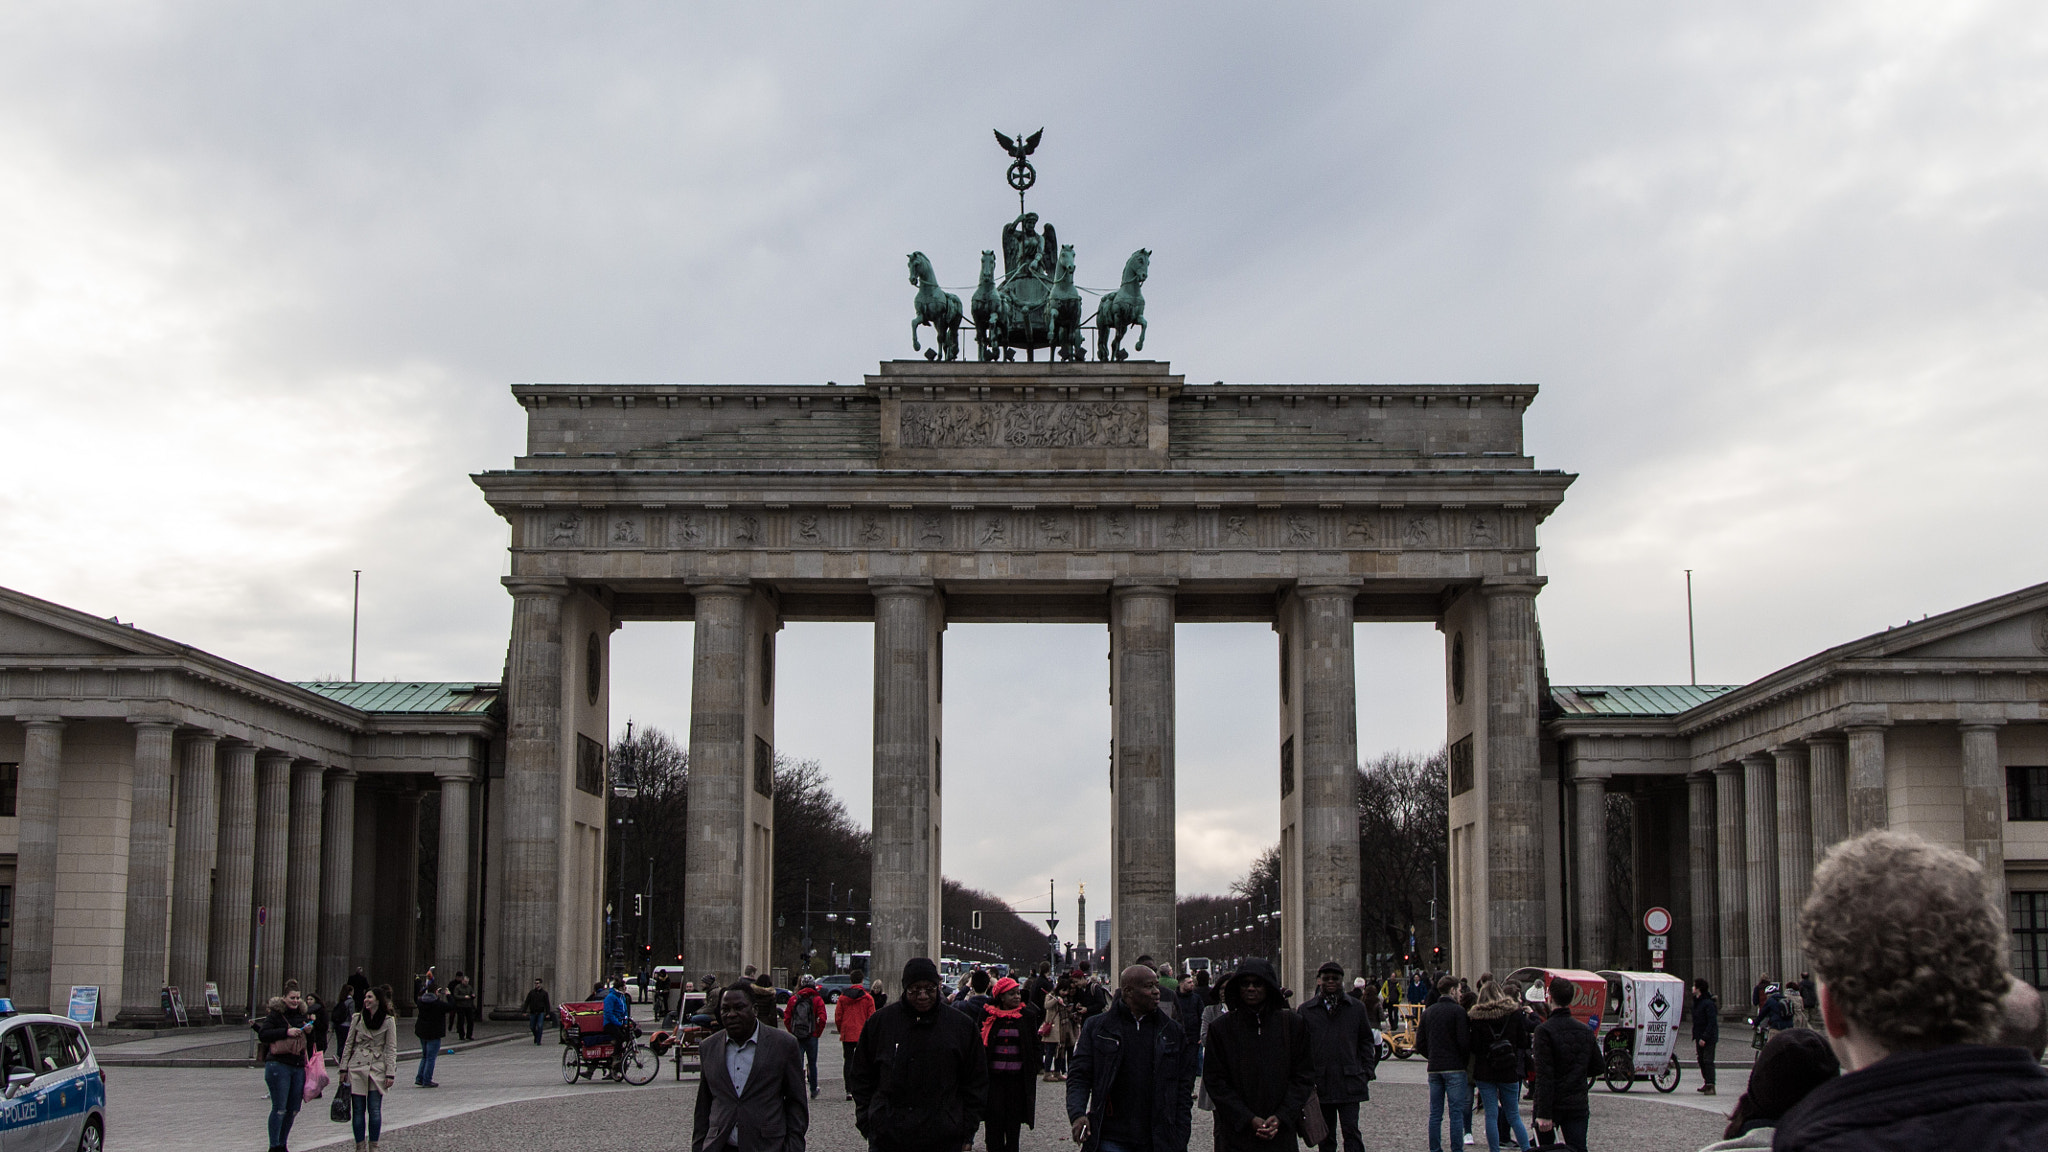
point(917, 1076)
point(1567, 1062)
point(1444, 1037)
point(1706, 1031)
point(752, 1085)
point(1341, 1050)
point(1910, 956)
point(1256, 1068)
point(1131, 1080)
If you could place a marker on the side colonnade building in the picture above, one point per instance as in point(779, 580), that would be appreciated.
point(1938, 727)
point(157, 801)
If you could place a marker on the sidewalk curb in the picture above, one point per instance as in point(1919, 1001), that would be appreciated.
point(115, 1060)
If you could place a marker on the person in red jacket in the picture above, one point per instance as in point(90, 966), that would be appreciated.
point(852, 1011)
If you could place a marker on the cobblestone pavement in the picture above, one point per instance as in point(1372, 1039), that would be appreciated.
point(511, 1096)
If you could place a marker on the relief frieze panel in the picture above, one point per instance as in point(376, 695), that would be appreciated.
point(1076, 424)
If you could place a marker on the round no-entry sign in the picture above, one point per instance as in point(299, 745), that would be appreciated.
point(1657, 921)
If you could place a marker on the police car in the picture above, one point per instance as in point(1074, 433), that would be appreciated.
point(56, 1096)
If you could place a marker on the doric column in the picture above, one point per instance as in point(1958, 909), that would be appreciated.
point(1141, 772)
point(337, 879)
point(1869, 801)
point(1589, 797)
point(234, 884)
point(528, 897)
point(1760, 860)
point(905, 883)
point(273, 867)
point(1828, 788)
point(364, 887)
point(147, 919)
point(1733, 886)
point(35, 869)
point(1984, 804)
point(1700, 858)
point(1795, 852)
point(302, 881)
point(451, 895)
point(1514, 859)
point(714, 884)
point(396, 917)
point(1328, 763)
point(192, 883)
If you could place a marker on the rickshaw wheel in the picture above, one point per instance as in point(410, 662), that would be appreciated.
point(1401, 1053)
point(1621, 1072)
point(641, 1066)
point(569, 1065)
point(1385, 1049)
point(1667, 1079)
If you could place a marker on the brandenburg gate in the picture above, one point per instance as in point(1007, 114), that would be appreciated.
point(1099, 492)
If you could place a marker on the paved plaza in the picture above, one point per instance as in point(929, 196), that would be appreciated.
point(510, 1095)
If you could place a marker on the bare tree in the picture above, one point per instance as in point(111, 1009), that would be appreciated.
point(1404, 855)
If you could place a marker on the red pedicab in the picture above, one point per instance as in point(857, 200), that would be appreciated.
point(587, 1049)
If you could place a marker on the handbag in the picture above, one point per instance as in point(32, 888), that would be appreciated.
point(338, 1111)
point(1314, 1129)
point(289, 1046)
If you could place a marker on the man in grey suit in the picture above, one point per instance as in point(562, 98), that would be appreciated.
point(750, 1095)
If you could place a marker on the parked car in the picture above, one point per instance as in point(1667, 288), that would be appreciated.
point(56, 1094)
point(831, 986)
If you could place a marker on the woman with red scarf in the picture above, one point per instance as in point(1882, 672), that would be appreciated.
point(1009, 1043)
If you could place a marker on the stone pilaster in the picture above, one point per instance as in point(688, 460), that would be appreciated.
point(1760, 860)
point(715, 877)
point(337, 882)
point(302, 880)
point(529, 897)
point(1141, 772)
point(451, 896)
point(1589, 835)
point(1828, 789)
point(144, 947)
point(1984, 805)
point(1869, 799)
point(192, 881)
point(1701, 860)
point(234, 884)
point(273, 868)
point(35, 869)
point(905, 883)
point(1328, 763)
point(1733, 887)
point(1514, 859)
point(1795, 852)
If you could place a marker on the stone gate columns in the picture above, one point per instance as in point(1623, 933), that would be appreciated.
point(192, 891)
point(730, 851)
point(1514, 857)
point(1869, 803)
point(1327, 760)
point(1701, 861)
point(234, 884)
point(1795, 852)
point(909, 622)
point(337, 879)
point(1828, 786)
point(1984, 804)
point(1733, 886)
point(1760, 860)
point(147, 918)
point(35, 870)
point(273, 864)
point(302, 880)
point(362, 920)
point(528, 904)
point(1141, 771)
point(1589, 819)
point(451, 892)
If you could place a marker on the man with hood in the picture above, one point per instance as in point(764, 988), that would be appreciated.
point(848, 1015)
point(917, 1077)
point(1342, 1052)
point(1257, 1070)
point(1131, 1081)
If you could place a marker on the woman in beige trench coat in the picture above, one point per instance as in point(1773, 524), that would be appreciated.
point(370, 1061)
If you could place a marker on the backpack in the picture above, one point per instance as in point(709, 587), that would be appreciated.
point(802, 1017)
point(1500, 1053)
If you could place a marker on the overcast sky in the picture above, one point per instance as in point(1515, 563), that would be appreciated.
point(266, 271)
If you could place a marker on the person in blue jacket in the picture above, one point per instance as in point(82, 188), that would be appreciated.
point(618, 1019)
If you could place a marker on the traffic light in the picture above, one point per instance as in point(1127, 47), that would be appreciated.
point(1437, 955)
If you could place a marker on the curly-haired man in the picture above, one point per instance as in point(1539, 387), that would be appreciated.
point(1910, 957)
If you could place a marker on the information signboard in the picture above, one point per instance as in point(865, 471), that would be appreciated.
point(213, 1000)
point(85, 1004)
point(174, 1003)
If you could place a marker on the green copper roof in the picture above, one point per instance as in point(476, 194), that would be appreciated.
point(407, 696)
point(1635, 699)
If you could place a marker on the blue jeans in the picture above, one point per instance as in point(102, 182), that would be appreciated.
point(1495, 1097)
point(1113, 1146)
point(287, 1091)
point(430, 1050)
point(371, 1102)
point(1454, 1087)
point(536, 1021)
point(809, 1044)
